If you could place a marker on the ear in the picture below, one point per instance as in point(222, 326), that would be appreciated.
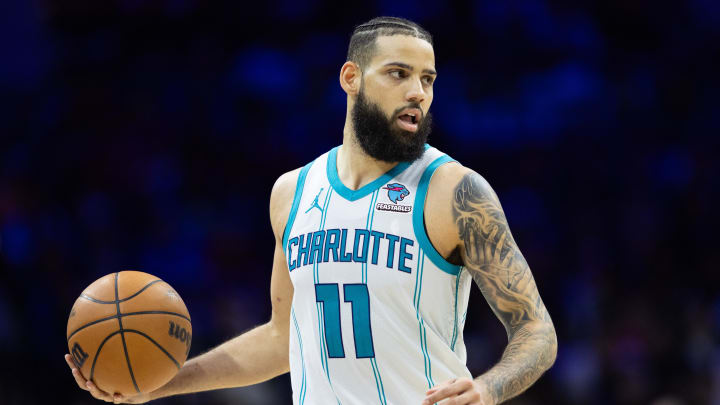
point(350, 76)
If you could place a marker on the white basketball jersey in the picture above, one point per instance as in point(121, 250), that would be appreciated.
point(378, 314)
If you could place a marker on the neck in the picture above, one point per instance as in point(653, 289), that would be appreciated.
point(355, 168)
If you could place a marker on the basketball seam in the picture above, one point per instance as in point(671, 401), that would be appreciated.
point(97, 301)
point(177, 364)
point(97, 353)
point(124, 315)
point(122, 334)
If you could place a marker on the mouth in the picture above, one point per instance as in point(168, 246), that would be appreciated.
point(409, 118)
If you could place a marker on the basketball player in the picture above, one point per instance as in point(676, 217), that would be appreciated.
point(376, 243)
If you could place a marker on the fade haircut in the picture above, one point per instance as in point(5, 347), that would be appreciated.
point(362, 42)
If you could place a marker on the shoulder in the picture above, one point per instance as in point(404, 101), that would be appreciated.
point(448, 185)
point(438, 217)
point(449, 172)
point(451, 178)
point(281, 199)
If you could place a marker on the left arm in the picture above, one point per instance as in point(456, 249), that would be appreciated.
point(490, 253)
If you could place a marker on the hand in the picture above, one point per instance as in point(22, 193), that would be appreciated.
point(102, 395)
point(459, 391)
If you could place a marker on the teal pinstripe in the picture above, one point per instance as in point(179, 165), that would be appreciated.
point(421, 323)
point(378, 381)
point(318, 306)
point(372, 206)
point(330, 192)
point(368, 226)
point(303, 386)
point(455, 323)
point(373, 361)
point(323, 339)
point(323, 360)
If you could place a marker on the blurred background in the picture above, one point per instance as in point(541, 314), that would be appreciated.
point(147, 135)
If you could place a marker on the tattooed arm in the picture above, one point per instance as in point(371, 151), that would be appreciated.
point(466, 224)
point(491, 255)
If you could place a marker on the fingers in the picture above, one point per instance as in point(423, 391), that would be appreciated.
point(439, 387)
point(97, 393)
point(90, 386)
point(81, 382)
point(70, 362)
point(469, 397)
point(437, 394)
point(119, 399)
point(76, 373)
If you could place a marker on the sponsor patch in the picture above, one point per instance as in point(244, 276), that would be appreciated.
point(393, 207)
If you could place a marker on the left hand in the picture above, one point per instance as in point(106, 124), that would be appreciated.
point(459, 391)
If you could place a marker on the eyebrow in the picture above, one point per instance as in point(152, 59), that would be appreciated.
point(408, 67)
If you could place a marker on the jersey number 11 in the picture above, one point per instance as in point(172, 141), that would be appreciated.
point(357, 296)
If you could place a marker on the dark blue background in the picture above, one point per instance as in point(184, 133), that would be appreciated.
point(147, 135)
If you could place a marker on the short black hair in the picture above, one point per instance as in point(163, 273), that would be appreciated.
point(362, 41)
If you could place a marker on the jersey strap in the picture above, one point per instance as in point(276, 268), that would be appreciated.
point(419, 218)
point(296, 202)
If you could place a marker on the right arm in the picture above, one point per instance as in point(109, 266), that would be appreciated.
point(255, 356)
point(261, 353)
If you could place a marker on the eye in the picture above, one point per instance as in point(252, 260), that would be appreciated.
point(428, 80)
point(398, 74)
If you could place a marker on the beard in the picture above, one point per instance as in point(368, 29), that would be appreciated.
point(381, 138)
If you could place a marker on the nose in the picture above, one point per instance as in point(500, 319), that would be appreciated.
point(415, 93)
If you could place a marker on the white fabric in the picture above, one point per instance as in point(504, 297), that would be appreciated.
point(401, 370)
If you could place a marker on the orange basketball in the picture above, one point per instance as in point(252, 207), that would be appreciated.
point(129, 332)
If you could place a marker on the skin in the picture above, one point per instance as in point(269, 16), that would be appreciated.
point(391, 87)
point(255, 356)
point(467, 220)
point(465, 223)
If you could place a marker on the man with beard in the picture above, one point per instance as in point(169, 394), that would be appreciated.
point(376, 243)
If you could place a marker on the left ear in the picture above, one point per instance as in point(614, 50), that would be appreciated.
point(350, 76)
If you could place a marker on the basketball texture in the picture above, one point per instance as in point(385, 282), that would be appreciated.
point(129, 332)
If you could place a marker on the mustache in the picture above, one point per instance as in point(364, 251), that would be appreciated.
point(411, 105)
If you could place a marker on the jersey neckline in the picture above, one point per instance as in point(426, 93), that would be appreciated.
point(367, 189)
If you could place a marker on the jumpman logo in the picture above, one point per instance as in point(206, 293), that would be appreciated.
point(315, 202)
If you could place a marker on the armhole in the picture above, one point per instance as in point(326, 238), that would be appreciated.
point(419, 218)
point(296, 202)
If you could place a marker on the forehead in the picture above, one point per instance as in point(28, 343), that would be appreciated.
point(413, 51)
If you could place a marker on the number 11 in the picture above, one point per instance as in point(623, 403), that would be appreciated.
point(357, 296)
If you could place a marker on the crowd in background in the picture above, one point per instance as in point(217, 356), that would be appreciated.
point(147, 135)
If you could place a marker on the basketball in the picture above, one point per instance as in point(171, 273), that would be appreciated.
point(129, 332)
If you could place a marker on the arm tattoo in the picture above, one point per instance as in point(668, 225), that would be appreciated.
point(504, 278)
